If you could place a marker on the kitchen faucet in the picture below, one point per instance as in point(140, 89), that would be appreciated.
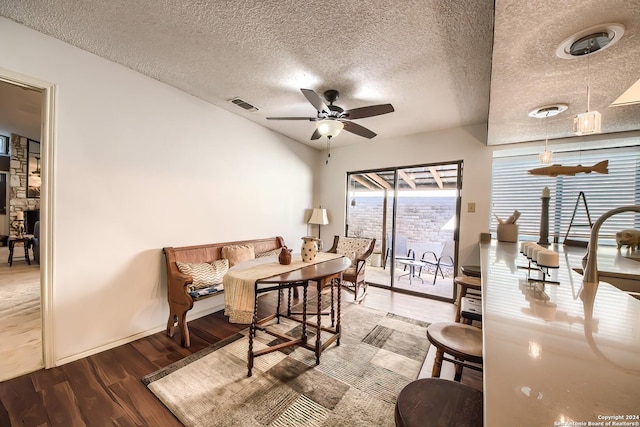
point(590, 259)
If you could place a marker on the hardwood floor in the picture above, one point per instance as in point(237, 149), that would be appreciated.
point(105, 389)
point(20, 320)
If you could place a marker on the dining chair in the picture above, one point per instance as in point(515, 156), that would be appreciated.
point(358, 249)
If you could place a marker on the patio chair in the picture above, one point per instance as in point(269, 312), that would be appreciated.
point(441, 260)
point(358, 250)
point(401, 248)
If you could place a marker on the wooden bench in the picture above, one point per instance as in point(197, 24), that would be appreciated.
point(180, 300)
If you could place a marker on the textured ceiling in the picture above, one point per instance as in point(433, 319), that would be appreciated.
point(527, 73)
point(431, 59)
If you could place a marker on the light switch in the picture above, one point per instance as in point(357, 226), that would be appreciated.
point(471, 207)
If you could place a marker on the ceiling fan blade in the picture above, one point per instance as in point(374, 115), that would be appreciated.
point(358, 130)
point(311, 119)
point(370, 111)
point(316, 135)
point(315, 100)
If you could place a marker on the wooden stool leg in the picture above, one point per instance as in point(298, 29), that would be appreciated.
point(437, 364)
point(458, 375)
point(463, 293)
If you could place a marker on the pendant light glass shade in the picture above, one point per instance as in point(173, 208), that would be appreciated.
point(587, 123)
point(545, 157)
point(329, 127)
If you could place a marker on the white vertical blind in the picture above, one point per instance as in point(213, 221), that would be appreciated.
point(514, 188)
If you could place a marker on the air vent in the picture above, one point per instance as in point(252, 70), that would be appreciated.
point(243, 104)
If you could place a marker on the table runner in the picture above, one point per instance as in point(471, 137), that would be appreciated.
point(239, 282)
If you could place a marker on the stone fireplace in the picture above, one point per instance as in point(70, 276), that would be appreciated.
point(18, 200)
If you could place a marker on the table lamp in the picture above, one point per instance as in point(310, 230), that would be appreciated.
point(319, 218)
point(18, 224)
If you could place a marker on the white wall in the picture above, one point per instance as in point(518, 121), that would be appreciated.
point(139, 166)
point(466, 144)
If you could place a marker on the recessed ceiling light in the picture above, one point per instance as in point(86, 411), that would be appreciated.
point(548, 111)
point(591, 40)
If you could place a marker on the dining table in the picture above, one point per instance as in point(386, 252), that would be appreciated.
point(246, 281)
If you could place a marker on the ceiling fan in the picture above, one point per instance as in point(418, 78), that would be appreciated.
point(332, 118)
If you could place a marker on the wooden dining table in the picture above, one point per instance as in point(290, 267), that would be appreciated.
point(327, 271)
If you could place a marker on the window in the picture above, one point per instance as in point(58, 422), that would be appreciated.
point(514, 188)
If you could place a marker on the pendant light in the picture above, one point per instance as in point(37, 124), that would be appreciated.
point(546, 156)
point(590, 122)
point(545, 113)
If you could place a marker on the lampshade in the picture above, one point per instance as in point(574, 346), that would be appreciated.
point(319, 217)
point(587, 123)
point(329, 127)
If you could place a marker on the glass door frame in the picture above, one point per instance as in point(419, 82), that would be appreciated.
point(456, 232)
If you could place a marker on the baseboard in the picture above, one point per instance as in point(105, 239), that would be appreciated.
point(191, 315)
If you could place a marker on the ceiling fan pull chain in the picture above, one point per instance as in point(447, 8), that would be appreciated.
point(328, 150)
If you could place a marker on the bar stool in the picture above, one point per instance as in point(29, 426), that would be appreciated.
point(470, 310)
point(471, 270)
point(461, 341)
point(465, 283)
point(436, 402)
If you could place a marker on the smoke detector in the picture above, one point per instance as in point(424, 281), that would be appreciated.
point(548, 111)
point(590, 41)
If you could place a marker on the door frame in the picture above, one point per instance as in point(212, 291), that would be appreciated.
point(456, 232)
point(47, 196)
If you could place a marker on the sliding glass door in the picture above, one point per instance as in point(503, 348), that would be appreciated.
point(412, 213)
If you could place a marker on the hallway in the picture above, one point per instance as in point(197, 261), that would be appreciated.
point(20, 320)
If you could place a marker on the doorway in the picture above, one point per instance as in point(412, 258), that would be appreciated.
point(26, 114)
point(412, 212)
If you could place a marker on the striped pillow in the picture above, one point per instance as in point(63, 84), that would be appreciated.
point(206, 274)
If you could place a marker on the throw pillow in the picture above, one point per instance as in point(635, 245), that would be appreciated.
point(238, 253)
point(204, 275)
point(273, 252)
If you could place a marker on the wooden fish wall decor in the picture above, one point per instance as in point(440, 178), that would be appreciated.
point(555, 170)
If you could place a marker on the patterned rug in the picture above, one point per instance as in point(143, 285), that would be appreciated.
point(356, 383)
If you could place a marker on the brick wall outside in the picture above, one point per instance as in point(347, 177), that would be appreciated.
point(420, 219)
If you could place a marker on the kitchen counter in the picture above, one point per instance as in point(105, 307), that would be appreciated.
point(558, 354)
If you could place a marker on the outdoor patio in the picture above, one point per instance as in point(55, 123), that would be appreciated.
point(442, 288)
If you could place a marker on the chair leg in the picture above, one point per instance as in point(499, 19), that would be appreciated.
point(171, 323)
point(185, 340)
point(437, 364)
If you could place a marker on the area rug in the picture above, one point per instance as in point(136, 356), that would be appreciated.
point(356, 383)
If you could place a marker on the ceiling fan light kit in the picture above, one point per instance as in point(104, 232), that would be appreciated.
point(329, 127)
